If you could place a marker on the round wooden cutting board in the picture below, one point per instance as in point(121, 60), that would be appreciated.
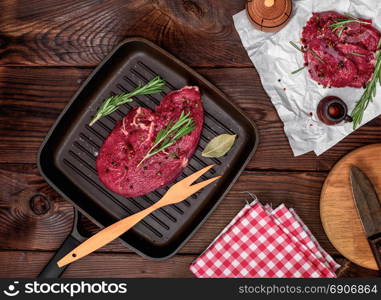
point(337, 208)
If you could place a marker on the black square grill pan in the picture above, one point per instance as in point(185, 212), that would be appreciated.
point(67, 156)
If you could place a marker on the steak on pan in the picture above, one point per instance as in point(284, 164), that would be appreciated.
point(132, 138)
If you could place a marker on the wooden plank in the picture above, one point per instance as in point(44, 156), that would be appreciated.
point(32, 98)
point(82, 33)
point(96, 265)
point(34, 217)
point(123, 265)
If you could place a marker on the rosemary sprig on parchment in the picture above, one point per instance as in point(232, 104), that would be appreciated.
point(170, 134)
point(310, 50)
point(112, 103)
point(302, 50)
point(369, 93)
point(298, 70)
point(296, 46)
point(341, 23)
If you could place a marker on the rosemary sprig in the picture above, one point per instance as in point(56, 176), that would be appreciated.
point(340, 31)
point(298, 70)
point(311, 50)
point(170, 134)
point(296, 46)
point(340, 23)
point(301, 50)
point(112, 103)
point(357, 54)
point(369, 93)
point(316, 55)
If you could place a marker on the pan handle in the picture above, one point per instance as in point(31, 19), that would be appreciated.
point(51, 270)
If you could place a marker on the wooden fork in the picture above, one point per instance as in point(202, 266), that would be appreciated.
point(177, 193)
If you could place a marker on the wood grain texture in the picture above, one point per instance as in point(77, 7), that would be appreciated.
point(95, 266)
point(341, 222)
point(123, 265)
point(46, 231)
point(32, 98)
point(72, 33)
point(49, 47)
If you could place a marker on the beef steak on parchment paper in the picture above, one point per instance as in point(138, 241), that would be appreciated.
point(134, 135)
point(342, 57)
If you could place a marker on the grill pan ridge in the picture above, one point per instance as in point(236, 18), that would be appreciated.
point(67, 156)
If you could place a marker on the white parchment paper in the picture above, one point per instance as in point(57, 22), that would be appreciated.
point(274, 58)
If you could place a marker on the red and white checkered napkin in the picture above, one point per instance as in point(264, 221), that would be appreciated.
point(265, 242)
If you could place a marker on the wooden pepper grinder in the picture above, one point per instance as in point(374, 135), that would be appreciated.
point(269, 15)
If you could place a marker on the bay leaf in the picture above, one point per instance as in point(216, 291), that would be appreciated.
point(219, 146)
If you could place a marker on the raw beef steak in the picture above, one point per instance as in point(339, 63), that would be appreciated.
point(342, 57)
point(364, 61)
point(336, 70)
point(132, 138)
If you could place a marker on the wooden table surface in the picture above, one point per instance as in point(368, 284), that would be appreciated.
point(49, 47)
